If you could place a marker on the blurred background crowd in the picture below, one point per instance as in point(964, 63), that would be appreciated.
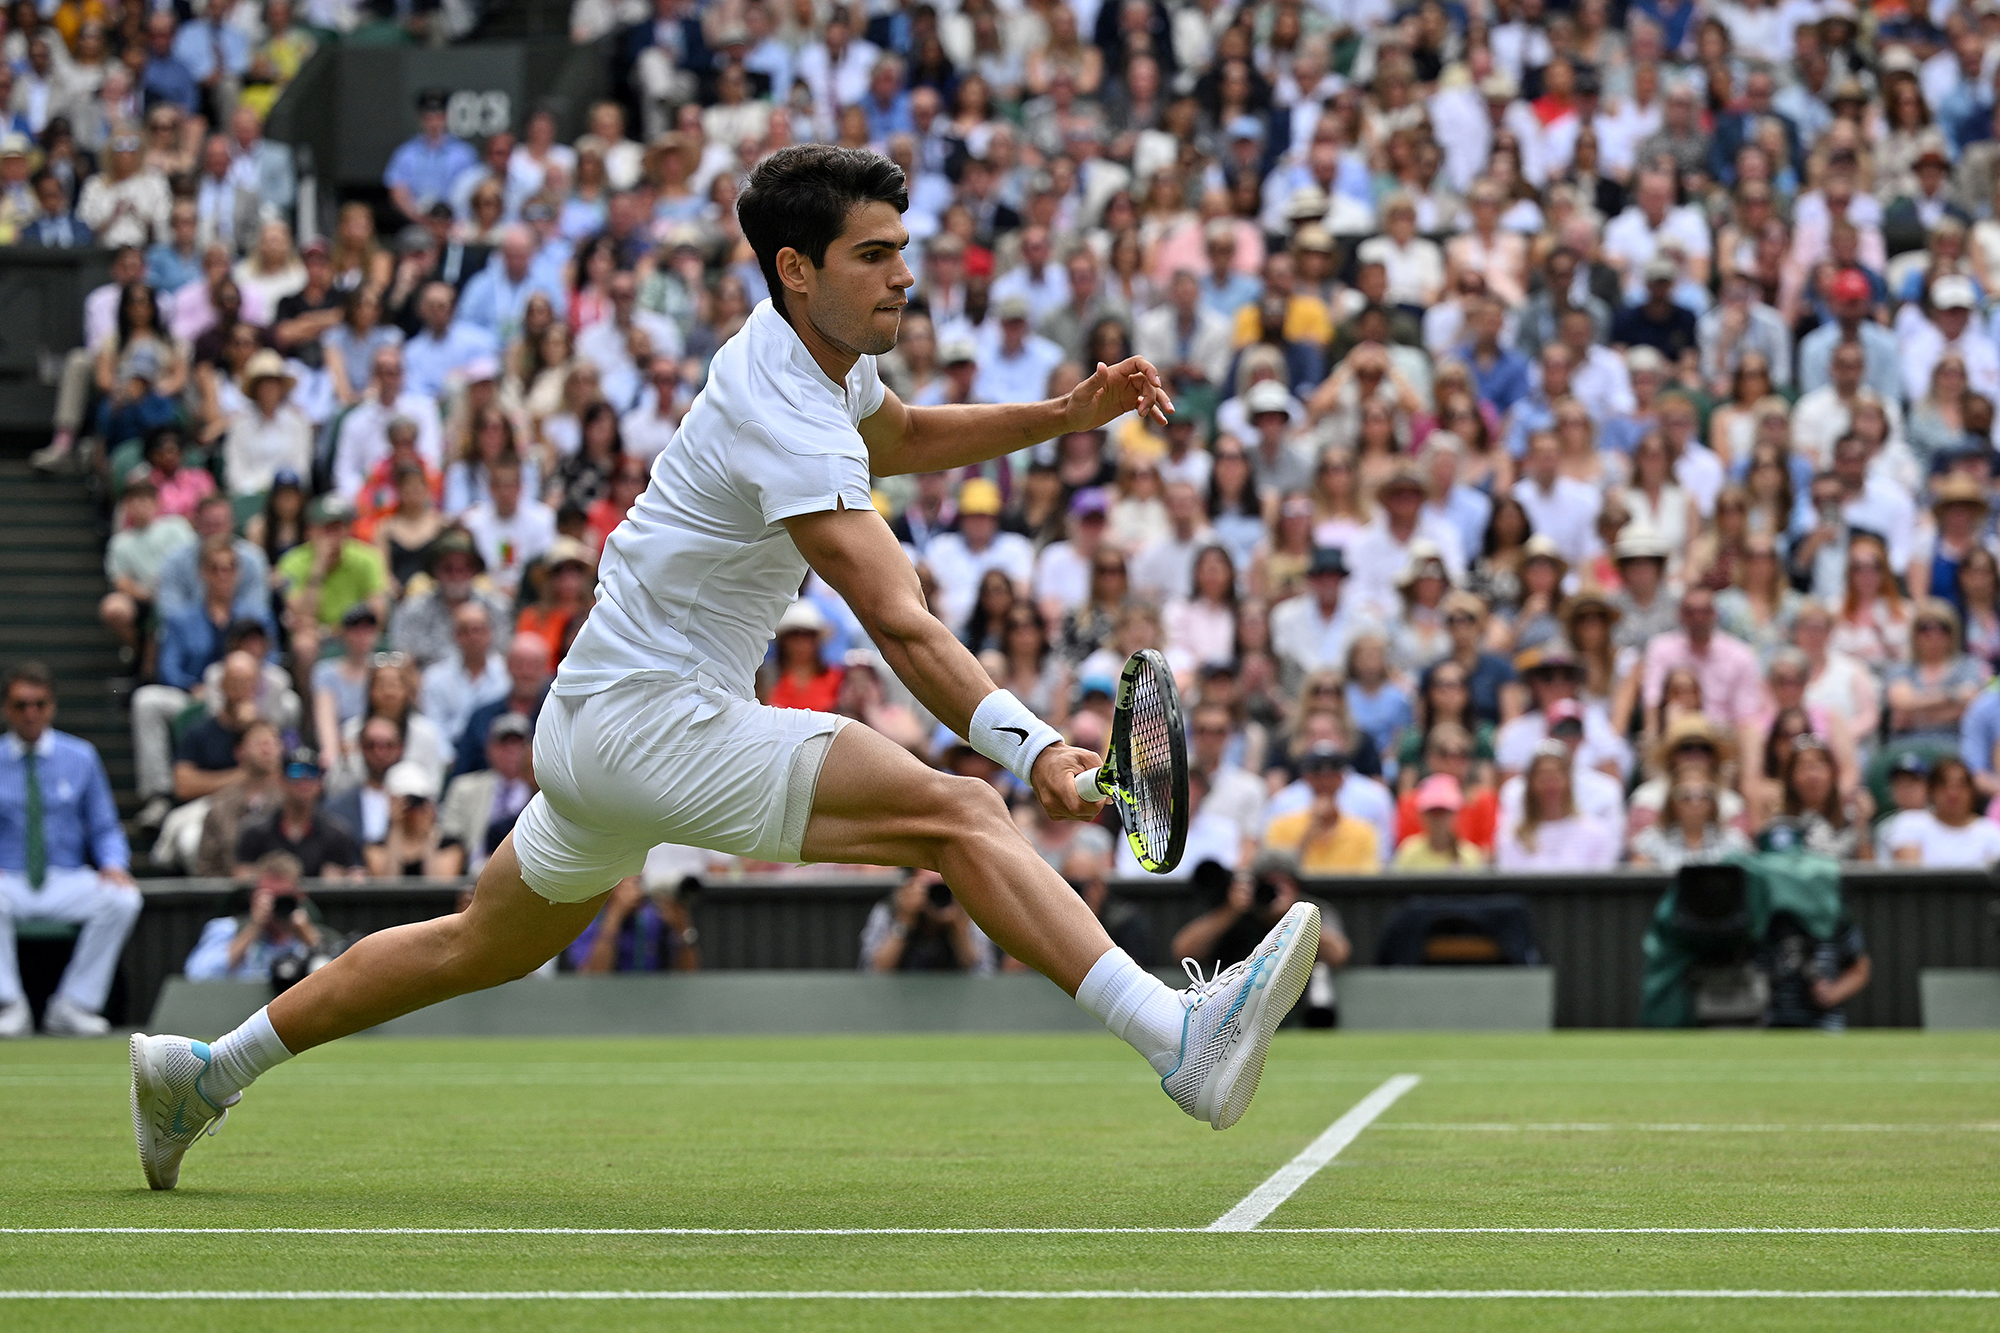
point(1584, 452)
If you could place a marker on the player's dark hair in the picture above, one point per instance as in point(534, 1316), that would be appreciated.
point(800, 197)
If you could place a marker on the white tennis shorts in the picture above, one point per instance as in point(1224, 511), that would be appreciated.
point(655, 760)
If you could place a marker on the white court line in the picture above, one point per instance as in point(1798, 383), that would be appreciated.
point(975, 1293)
point(995, 1231)
point(1261, 1202)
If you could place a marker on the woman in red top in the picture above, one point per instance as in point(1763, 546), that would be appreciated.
point(803, 680)
point(564, 599)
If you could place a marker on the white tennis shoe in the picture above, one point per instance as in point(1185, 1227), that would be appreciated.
point(169, 1109)
point(1230, 1017)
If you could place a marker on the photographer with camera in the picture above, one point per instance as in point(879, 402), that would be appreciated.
point(921, 928)
point(280, 925)
point(1251, 905)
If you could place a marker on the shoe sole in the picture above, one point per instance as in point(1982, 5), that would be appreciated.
point(142, 1131)
point(1228, 1094)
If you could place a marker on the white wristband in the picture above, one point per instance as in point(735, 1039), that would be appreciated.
point(1005, 731)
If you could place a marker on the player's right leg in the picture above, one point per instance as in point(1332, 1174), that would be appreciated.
point(182, 1089)
point(876, 805)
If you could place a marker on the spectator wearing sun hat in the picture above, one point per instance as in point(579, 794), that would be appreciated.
point(271, 435)
point(1439, 846)
point(959, 559)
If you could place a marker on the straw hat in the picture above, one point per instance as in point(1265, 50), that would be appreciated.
point(266, 365)
point(1694, 727)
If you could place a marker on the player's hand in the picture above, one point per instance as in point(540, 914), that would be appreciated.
point(1133, 385)
point(1054, 777)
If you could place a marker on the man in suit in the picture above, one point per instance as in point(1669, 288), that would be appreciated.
point(63, 857)
point(480, 808)
point(55, 227)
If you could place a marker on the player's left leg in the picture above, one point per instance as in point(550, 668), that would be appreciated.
point(875, 804)
point(183, 1088)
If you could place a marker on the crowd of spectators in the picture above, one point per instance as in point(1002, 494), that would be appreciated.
point(1584, 453)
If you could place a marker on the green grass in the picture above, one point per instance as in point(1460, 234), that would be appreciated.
point(1032, 1132)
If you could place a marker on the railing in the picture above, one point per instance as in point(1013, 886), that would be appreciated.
point(1589, 927)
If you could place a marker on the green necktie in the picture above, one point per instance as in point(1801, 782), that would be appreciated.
point(38, 838)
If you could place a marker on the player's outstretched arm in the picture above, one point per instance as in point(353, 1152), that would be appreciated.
point(854, 551)
point(903, 439)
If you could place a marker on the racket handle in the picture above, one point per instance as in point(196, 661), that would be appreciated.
point(1086, 785)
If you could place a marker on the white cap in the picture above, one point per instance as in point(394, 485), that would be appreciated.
point(410, 778)
point(802, 615)
point(1267, 396)
point(1953, 292)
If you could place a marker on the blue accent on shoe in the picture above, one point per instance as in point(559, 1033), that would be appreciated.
point(200, 1049)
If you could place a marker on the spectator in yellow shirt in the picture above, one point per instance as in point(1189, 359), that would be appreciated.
point(1326, 841)
point(1439, 847)
point(1306, 318)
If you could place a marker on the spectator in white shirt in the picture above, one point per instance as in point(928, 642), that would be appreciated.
point(1952, 298)
point(615, 344)
point(272, 436)
point(1414, 265)
point(1313, 629)
point(1649, 223)
point(1036, 279)
point(474, 676)
point(959, 560)
point(649, 427)
point(364, 432)
point(510, 528)
point(1062, 571)
point(1164, 570)
point(1562, 509)
point(1017, 369)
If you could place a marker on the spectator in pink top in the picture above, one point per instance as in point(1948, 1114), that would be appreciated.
point(1732, 688)
point(1551, 834)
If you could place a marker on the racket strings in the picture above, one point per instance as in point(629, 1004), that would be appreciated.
point(1151, 780)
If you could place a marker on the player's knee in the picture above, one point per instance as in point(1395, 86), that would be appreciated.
point(974, 810)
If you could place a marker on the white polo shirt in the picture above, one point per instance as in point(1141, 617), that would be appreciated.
point(695, 578)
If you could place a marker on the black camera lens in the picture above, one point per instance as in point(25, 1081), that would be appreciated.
point(940, 895)
point(284, 905)
point(1267, 891)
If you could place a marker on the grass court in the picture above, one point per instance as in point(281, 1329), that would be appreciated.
point(1687, 1168)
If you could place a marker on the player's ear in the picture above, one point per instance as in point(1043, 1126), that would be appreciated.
point(792, 270)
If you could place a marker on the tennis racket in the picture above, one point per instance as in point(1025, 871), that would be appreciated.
point(1146, 773)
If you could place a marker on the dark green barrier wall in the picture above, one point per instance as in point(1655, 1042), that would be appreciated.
point(1589, 926)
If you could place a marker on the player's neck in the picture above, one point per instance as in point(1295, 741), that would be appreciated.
point(832, 358)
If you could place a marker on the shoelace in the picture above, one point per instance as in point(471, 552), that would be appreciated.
point(1201, 989)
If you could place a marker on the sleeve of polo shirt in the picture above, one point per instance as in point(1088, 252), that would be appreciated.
point(806, 472)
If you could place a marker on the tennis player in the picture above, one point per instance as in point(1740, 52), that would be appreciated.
point(652, 734)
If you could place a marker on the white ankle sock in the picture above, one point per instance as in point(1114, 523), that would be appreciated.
point(236, 1060)
point(1137, 1006)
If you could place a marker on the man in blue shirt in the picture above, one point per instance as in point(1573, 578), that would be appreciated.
point(1223, 289)
point(62, 857)
point(421, 171)
point(494, 299)
point(195, 639)
point(1499, 375)
point(165, 78)
point(434, 361)
point(213, 50)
